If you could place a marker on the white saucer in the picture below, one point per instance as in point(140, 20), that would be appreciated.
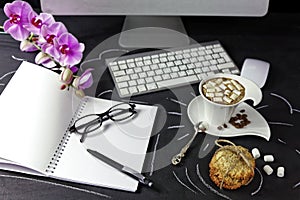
point(257, 127)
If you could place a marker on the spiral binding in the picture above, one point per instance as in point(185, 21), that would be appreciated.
point(65, 139)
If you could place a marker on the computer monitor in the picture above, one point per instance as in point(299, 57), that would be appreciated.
point(155, 23)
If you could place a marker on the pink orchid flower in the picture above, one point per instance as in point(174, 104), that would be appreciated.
point(35, 21)
point(69, 48)
point(17, 12)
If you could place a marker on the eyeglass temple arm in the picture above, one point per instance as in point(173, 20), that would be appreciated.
point(73, 129)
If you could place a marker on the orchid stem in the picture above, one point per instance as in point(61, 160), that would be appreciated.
point(36, 46)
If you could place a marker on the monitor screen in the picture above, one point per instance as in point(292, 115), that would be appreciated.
point(157, 7)
point(155, 23)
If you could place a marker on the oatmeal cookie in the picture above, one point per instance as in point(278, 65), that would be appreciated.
point(231, 167)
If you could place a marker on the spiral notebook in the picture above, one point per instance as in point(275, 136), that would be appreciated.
point(35, 115)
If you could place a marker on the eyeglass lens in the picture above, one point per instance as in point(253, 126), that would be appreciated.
point(121, 112)
point(88, 124)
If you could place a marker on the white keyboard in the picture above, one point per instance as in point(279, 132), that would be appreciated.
point(157, 70)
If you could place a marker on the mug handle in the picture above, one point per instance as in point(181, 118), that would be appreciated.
point(253, 92)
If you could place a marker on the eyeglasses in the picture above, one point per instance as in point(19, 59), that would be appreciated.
point(92, 122)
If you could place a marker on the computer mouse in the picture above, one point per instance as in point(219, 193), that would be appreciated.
point(255, 70)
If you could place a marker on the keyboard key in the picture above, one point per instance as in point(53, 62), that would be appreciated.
point(121, 62)
point(157, 78)
point(149, 80)
point(146, 68)
point(171, 82)
point(154, 67)
point(131, 65)
point(119, 73)
point(124, 91)
point(123, 84)
point(141, 88)
point(182, 67)
point(129, 71)
point(137, 69)
point(226, 65)
point(174, 75)
point(147, 62)
point(189, 72)
point(123, 66)
point(133, 90)
point(132, 83)
point(114, 68)
point(151, 86)
point(182, 73)
point(134, 76)
point(142, 75)
point(159, 72)
point(166, 76)
point(122, 78)
point(141, 81)
point(150, 73)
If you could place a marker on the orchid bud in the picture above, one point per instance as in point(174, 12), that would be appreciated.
point(45, 60)
point(27, 46)
point(76, 82)
point(79, 93)
point(84, 81)
point(66, 76)
point(41, 58)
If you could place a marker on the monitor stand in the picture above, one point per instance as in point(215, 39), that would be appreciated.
point(153, 32)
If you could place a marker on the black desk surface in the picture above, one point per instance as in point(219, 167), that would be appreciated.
point(274, 38)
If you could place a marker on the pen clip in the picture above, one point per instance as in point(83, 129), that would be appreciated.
point(142, 179)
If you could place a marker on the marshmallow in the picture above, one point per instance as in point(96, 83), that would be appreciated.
point(280, 172)
point(227, 82)
point(237, 92)
point(210, 90)
point(210, 94)
point(268, 169)
point(217, 99)
point(218, 89)
point(231, 87)
point(255, 153)
point(211, 84)
point(227, 92)
point(219, 94)
point(268, 158)
point(219, 81)
point(234, 96)
point(227, 99)
point(222, 86)
point(238, 86)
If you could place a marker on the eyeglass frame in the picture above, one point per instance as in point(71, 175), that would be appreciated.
point(100, 119)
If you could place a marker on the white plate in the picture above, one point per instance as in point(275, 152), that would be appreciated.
point(257, 127)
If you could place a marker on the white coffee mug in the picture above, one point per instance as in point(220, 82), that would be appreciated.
point(217, 114)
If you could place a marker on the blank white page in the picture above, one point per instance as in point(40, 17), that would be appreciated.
point(34, 114)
